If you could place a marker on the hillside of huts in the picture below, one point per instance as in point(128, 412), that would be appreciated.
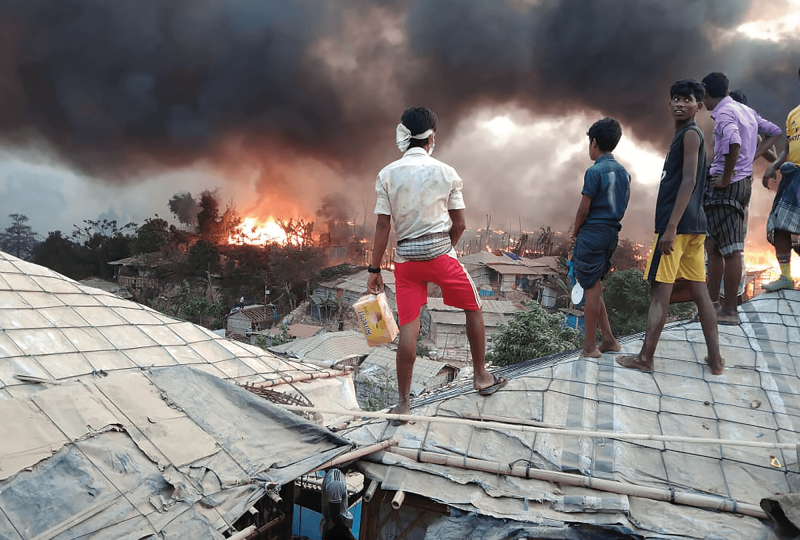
point(122, 422)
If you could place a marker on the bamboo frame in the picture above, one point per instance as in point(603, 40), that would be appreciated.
point(612, 486)
point(512, 425)
point(355, 454)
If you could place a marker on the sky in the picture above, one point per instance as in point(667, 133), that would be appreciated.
point(109, 110)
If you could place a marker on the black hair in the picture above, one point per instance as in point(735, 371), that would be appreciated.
point(606, 132)
point(716, 84)
point(738, 95)
point(686, 88)
point(419, 120)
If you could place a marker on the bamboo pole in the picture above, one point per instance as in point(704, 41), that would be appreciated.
point(358, 453)
point(514, 425)
point(611, 486)
point(397, 500)
point(370, 492)
point(287, 379)
point(244, 533)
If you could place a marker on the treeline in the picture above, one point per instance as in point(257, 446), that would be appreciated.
point(195, 252)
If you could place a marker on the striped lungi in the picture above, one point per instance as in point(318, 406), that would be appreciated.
point(725, 209)
point(785, 213)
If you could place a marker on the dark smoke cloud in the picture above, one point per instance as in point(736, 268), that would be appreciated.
point(122, 89)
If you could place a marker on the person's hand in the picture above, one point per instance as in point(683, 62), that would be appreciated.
point(717, 183)
point(769, 174)
point(375, 284)
point(665, 243)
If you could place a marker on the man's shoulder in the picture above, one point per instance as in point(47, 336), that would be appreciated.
point(417, 160)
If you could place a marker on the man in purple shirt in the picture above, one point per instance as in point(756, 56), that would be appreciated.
point(736, 146)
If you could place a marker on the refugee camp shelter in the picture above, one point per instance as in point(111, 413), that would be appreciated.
point(119, 422)
point(504, 272)
point(139, 271)
point(344, 291)
point(244, 320)
point(376, 377)
point(327, 349)
point(447, 327)
point(581, 448)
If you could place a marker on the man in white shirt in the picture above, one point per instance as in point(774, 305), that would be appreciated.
point(422, 196)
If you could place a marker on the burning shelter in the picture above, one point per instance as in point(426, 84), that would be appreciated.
point(121, 422)
point(583, 448)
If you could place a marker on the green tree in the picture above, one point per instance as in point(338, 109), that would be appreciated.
point(531, 334)
point(213, 224)
point(200, 310)
point(59, 253)
point(203, 257)
point(153, 235)
point(103, 241)
point(19, 239)
point(627, 298)
point(295, 269)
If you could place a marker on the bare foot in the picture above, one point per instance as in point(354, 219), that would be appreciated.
point(610, 346)
point(592, 352)
point(717, 367)
point(635, 362)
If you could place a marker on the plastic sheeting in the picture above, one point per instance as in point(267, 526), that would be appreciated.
point(180, 454)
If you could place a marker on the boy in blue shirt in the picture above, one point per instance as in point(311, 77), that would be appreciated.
point(677, 260)
point(604, 198)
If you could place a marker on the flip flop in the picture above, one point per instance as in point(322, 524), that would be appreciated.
point(499, 382)
point(728, 320)
point(396, 422)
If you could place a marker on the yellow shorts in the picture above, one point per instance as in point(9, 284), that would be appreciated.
point(687, 260)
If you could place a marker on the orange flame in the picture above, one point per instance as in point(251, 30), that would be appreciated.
point(253, 232)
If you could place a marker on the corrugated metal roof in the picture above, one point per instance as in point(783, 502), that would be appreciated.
point(110, 391)
point(757, 399)
point(327, 349)
point(489, 306)
point(459, 319)
point(520, 269)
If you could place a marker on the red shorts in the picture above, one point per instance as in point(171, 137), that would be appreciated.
point(411, 284)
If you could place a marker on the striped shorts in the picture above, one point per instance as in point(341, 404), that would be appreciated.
point(785, 214)
point(725, 210)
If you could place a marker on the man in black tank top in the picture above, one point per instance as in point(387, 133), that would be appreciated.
point(677, 260)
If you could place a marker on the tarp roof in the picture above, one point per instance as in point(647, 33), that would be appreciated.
point(381, 365)
point(357, 282)
point(756, 399)
point(104, 390)
point(139, 453)
point(326, 349)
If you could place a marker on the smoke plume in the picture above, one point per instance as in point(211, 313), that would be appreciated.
point(120, 90)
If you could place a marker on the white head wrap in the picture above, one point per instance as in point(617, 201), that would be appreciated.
point(403, 136)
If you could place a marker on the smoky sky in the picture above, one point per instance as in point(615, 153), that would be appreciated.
point(120, 89)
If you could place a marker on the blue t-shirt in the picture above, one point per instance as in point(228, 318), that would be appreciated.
point(608, 184)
